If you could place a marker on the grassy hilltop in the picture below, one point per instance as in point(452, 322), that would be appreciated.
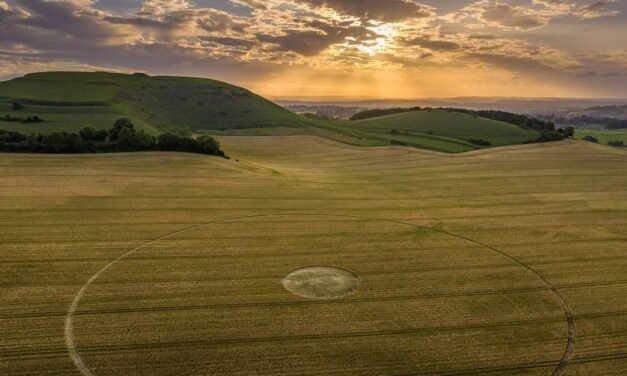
point(68, 101)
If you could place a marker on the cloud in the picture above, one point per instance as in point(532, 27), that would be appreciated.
point(318, 38)
point(558, 5)
point(252, 4)
point(508, 16)
point(185, 37)
point(229, 41)
point(528, 17)
point(595, 10)
point(434, 45)
point(380, 10)
point(70, 18)
point(514, 63)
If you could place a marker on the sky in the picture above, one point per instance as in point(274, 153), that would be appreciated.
point(357, 49)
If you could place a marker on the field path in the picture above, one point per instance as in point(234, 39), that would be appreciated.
point(86, 371)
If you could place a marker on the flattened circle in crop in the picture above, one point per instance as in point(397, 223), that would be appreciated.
point(321, 282)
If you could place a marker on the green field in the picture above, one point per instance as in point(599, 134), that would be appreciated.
point(507, 261)
point(68, 101)
point(603, 135)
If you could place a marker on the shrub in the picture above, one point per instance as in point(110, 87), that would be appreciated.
point(480, 142)
point(618, 144)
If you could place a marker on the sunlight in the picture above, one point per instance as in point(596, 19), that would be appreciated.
point(386, 34)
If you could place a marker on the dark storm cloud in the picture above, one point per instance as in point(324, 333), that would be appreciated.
point(386, 11)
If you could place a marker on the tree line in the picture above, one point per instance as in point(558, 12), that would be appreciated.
point(122, 137)
point(368, 114)
point(583, 120)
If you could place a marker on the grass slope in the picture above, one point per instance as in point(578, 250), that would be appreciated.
point(446, 124)
point(73, 99)
point(603, 135)
point(209, 300)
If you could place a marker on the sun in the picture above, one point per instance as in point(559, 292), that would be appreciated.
point(385, 35)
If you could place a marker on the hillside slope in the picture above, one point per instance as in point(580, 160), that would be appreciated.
point(449, 124)
point(438, 130)
point(69, 100)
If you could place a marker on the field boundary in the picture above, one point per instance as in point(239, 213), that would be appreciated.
point(82, 367)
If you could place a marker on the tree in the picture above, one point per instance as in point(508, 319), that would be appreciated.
point(17, 106)
point(118, 126)
point(569, 132)
point(88, 133)
point(130, 139)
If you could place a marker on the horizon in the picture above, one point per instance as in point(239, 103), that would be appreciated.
point(350, 100)
point(397, 50)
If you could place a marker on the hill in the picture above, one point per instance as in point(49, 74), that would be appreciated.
point(67, 101)
point(438, 130)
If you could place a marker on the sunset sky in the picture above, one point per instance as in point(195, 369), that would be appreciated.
point(333, 48)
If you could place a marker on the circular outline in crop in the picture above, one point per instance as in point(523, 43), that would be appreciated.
point(86, 371)
point(334, 283)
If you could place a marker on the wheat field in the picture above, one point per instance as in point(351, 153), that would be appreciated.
point(507, 261)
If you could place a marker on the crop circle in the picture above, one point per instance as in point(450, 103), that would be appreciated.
point(321, 282)
point(221, 299)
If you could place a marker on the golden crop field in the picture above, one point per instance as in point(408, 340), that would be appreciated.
point(507, 261)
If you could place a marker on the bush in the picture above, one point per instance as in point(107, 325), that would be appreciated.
point(202, 145)
point(618, 144)
point(479, 142)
